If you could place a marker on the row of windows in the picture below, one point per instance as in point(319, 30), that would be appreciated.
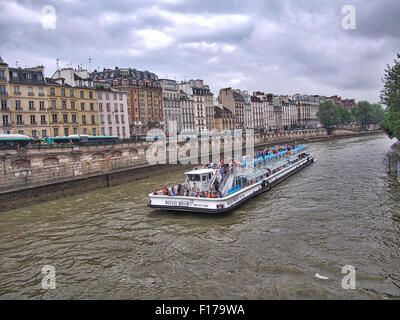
point(71, 93)
point(108, 107)
point(111, 133)
point(107, 95)
point(64, 105)
point(73, 118)
point(109, 118)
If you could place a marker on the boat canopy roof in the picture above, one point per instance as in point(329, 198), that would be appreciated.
point(200, 171)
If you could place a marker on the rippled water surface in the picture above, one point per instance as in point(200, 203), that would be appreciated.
point(342, 210)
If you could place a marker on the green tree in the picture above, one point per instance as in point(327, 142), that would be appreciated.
point(378, 114)
point(390, 96)
point(364, 113)
point(346, 116)
point(329, 115)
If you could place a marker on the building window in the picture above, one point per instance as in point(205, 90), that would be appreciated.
point(65, 117)
point(93, 131)
point(63, 92)
point(66, 133)
point(102, 118)
point(109, 118)
point(41, 105)
point(52, 91)
point(54, 116)
point(75, 130)
point(82, 95)
point(108, 106)
point(31, 105)
point(33, 119)
point(92, 107)
point(44, 133)
point(90, 95)
point(74, 118)
point(71, 93)
point(43, 119)
point(34, 135)
point(101, 106)
point(4, 105)
point(73, 105)
point(99, 95)
point(41, 93)
point(56, 132)
point(53, 104)
point(103, 132)
point(110, 131)
point(83, 119)
point(19, 119)
point(84, 130)
point(64, 104)
point(93, 118)
point(82, 106)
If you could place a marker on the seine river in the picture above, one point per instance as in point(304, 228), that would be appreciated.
point(342, 210)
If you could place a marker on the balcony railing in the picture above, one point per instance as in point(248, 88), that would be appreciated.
point(41, 94)
point(21, 123)
point(31, 94)
point(17, 93)
point(4, 93)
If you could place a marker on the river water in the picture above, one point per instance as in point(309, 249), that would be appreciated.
point(342, 210)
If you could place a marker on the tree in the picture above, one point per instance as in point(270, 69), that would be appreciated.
point(346, 116)
point(329, 115)
point(390, 96)
point(363, 113)
point(378, 114)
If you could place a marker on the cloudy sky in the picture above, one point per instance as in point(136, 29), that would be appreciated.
point(278, 46)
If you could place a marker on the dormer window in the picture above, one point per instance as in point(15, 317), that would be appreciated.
point(28, 76)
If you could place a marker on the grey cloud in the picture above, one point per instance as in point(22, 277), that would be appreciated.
point(284, 46)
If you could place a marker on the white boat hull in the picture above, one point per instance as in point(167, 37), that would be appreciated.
point(228, 203)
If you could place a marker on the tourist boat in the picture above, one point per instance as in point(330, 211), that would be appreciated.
point(243, 179)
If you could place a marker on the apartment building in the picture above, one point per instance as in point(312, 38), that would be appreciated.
point(144, 98)
point(83, 103)
point(28, 101)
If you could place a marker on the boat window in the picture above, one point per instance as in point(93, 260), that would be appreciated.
point(194, 177)
point(204, 178)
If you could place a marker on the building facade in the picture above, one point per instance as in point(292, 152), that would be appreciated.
point(144, 96)
point(307, 109)
point(187, 110)
point(234, 102)
point(82, 101)
point(171, 99)
point(113, 112)
point(203, 102)
point(224, 119)
point(6, 124)
point(28, 102)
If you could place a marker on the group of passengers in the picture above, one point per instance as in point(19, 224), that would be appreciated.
point(225, 168)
